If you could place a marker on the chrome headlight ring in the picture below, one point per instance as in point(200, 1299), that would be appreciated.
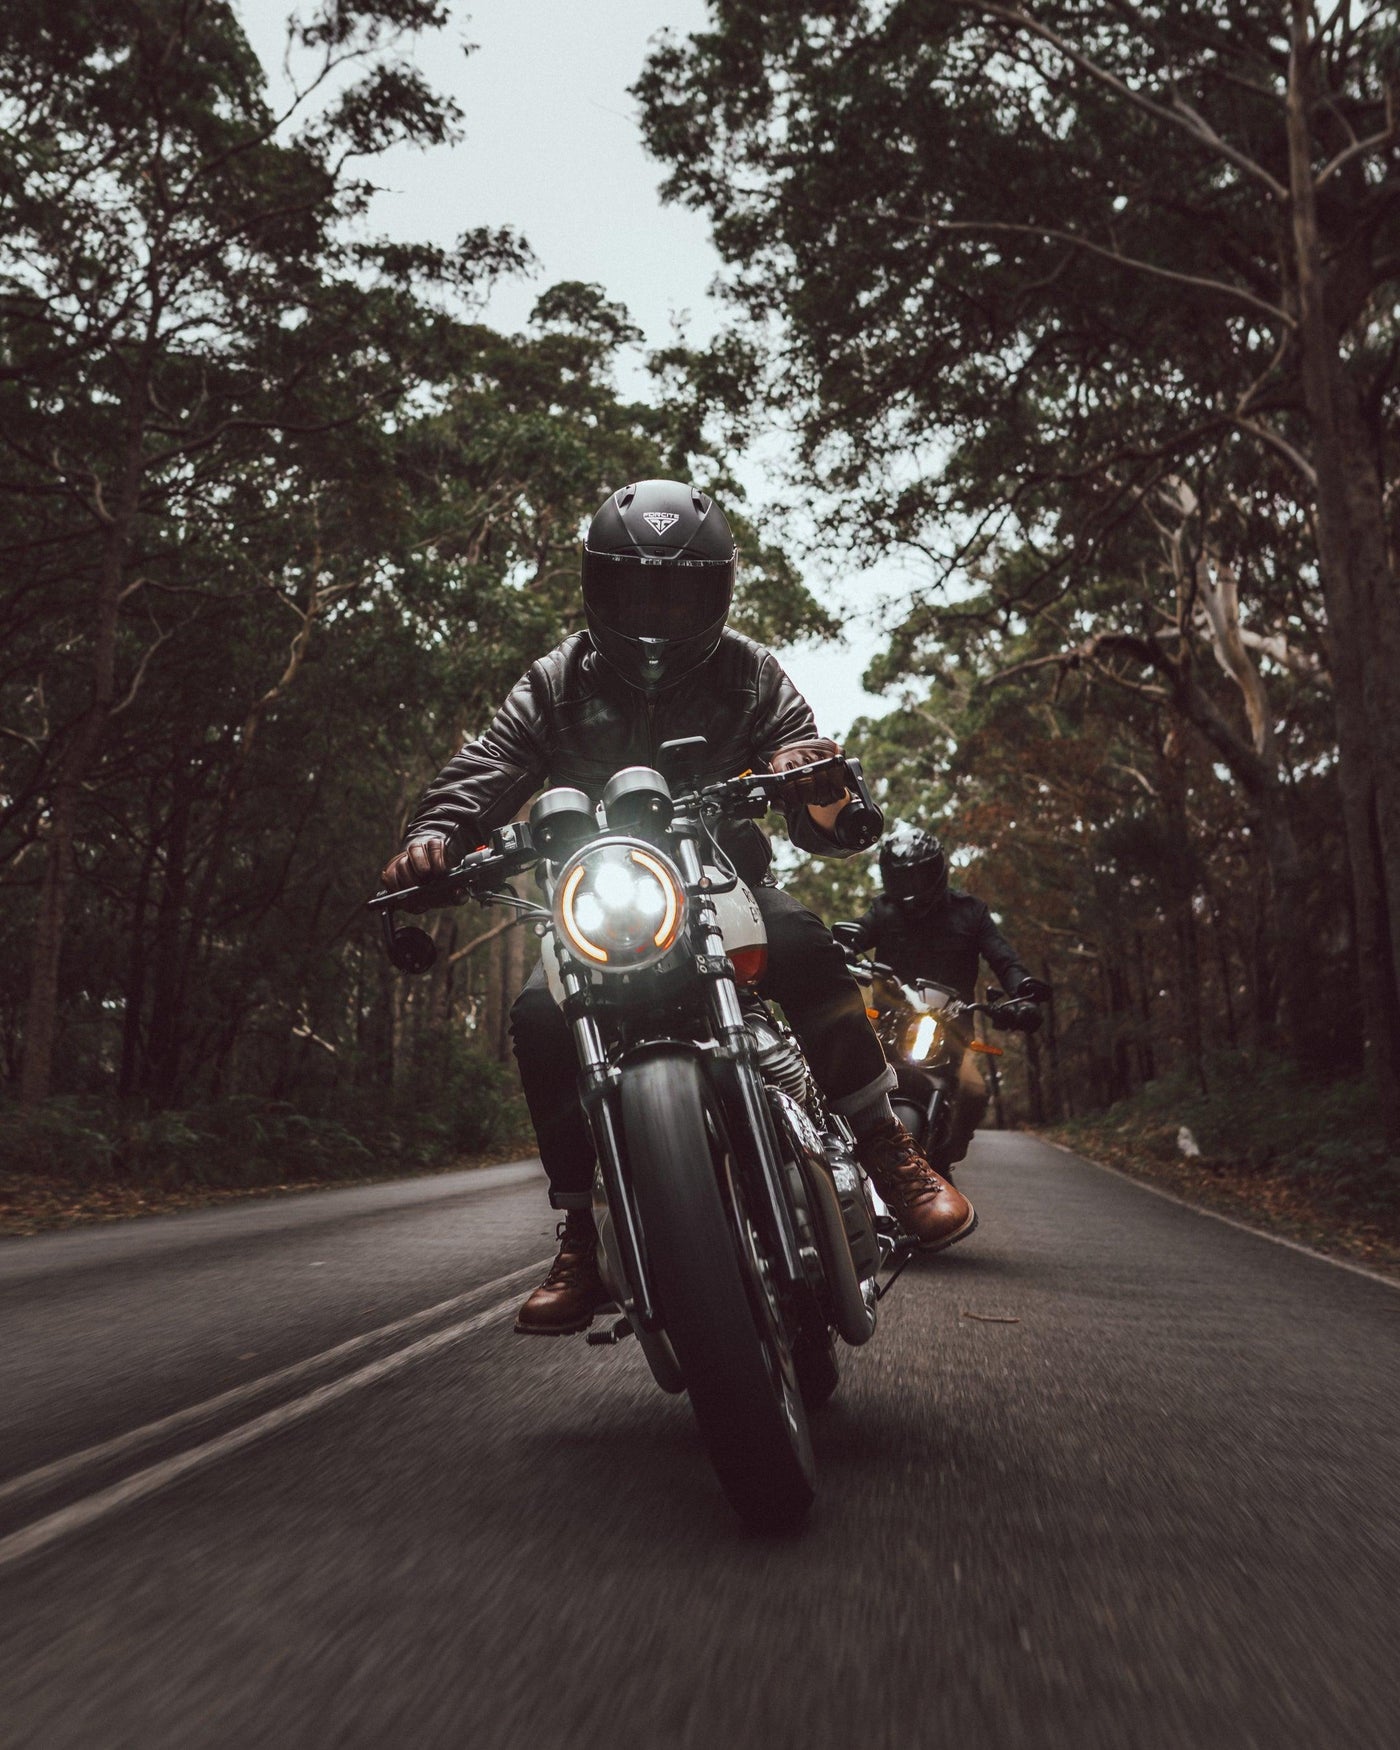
point(619, 905)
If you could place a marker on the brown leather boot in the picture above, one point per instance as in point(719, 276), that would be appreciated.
point(573, 1291)
point(928, 1208)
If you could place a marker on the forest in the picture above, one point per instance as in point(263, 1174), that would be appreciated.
point(1087, 310)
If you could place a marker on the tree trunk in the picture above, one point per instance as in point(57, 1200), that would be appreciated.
point(164, 1034)
point(1189, 988)
point(1222, 955)
point(1363, 605)
point(134, 997)
point(1147, 1061)
point(75, 764)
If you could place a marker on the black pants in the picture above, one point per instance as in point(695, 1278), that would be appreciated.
point(807, 975)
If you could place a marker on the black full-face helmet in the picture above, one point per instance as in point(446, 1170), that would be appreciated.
point(914, 869)
point(658, 578)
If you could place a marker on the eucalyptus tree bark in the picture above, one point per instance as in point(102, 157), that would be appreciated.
point(1287, 936)
point(1363, 605)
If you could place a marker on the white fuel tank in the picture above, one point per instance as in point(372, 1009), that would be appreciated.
point(739, 917)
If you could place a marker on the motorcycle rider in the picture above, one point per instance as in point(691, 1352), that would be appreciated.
point(658, 663)
point(924, 929)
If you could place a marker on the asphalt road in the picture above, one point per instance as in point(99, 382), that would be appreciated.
point(1160, 1508)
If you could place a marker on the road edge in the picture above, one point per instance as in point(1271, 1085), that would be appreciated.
point(1260, 1233)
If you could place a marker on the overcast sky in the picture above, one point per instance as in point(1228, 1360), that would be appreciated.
point(553, 150)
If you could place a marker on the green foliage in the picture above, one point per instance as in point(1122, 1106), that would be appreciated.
point(245, 1141)
point(1025, 281)
point(281, 520)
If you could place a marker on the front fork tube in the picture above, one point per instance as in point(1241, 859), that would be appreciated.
point(738, 1043)
point(596, 1083)
point(938, 1100)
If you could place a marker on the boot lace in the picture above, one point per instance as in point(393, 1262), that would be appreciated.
point(575, 1252)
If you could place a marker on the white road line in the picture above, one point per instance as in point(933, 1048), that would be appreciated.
point(123, 1444)
point(150, 1481)
point(1229, 1220)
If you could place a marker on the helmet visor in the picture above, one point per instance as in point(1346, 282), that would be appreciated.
point(910, 883)
point(672, 599)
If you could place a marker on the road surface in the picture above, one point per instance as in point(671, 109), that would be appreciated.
point(1111, 1474)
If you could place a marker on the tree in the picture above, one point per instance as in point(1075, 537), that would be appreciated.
point(180, 302)
point(1032, 265)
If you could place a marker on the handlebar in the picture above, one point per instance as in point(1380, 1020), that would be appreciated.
point(998, 1008)
point(511, 850)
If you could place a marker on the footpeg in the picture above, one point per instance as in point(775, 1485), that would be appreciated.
point(614, 1334)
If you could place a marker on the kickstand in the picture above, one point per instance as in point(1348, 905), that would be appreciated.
point(908, 1249)
point(613, 1334)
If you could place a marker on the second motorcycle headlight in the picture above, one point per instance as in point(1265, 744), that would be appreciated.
point(619, 906)
point(922, 1038)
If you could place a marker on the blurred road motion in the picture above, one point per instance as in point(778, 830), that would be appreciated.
point(283, 1476)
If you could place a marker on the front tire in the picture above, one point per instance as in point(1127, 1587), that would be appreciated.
point(709, 1272)
point(818, 1373)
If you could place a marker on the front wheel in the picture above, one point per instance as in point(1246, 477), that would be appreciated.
point(818, 1374)
point(714, 1288)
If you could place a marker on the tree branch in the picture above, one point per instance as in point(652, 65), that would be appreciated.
point(1219, 288)
point(1178, 113)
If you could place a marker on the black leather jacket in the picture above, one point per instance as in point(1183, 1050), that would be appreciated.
point(571, 719)
point(945, 945)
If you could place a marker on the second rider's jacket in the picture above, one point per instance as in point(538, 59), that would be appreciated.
point(944, 945)
point(572, 719)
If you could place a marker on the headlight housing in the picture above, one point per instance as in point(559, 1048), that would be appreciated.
point(619, 905)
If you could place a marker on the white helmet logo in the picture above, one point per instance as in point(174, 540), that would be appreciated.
point(660, 520)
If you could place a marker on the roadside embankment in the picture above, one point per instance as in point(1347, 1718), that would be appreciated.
point(1304, 1160)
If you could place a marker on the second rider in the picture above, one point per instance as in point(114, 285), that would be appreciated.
point(658, 663)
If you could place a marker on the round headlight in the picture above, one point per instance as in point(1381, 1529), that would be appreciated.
point(619, 905)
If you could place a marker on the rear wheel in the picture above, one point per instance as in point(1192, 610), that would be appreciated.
point(715, 1289)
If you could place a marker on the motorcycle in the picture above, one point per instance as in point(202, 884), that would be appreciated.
point(737, 1232)
point(926, 1029)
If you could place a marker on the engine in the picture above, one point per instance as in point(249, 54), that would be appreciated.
point(780, 1058)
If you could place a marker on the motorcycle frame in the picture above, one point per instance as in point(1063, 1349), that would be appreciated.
point(730, 1067)
point(729, 1060)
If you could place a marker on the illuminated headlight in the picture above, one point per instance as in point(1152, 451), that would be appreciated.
point(619, 906)
point(923, 1036)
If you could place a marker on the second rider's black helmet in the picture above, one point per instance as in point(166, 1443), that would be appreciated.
point(658, 578)
point(914, 869)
